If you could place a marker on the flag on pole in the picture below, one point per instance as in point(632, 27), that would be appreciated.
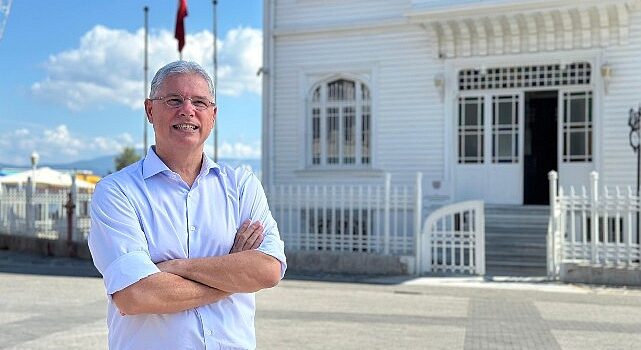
point(180, 24)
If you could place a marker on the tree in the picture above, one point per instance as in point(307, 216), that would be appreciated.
point(126, 157)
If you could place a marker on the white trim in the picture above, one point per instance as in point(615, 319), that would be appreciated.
point(340, 173)
point(460, 29)
point(489, 7)
point(311, 77)
point(452, 67)
point(369, 25)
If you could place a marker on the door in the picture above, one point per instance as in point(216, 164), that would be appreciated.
point(540, 144)
point(503, 171)
point(489, 134)
point(576, 137)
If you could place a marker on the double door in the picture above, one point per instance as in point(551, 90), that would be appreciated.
point(507, 142)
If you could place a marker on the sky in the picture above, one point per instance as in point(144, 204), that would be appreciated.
point(72, 77)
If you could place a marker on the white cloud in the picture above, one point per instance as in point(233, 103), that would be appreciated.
point(107, 67)
point(57, 145)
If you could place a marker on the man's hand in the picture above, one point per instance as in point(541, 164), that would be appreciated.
point(249, 236)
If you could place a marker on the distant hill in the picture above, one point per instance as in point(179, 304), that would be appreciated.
point(105, 164)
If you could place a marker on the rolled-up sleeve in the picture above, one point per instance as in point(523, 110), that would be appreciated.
point(116, 240)
point(253, 206)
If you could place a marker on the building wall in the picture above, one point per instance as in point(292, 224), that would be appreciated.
point(619, 161)
point(315, 38)
point(398, 60)
point(310, 13)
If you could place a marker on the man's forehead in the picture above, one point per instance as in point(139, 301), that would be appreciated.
point(195, 81)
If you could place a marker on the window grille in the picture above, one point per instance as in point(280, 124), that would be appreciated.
point(505, 129)
point(551, 75)
point(470, 130)
point(577, 126)
point(340, 124)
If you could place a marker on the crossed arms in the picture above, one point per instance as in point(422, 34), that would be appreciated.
point(184, 284)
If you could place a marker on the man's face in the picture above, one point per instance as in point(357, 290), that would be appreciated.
point(185, 128)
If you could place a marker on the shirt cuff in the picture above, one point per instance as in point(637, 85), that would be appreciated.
point(127, 270)
point(275, 250)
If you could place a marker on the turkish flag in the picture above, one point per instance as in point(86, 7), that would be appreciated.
point(180, 24)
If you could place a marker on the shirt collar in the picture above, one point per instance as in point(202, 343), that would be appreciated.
point(153, 165)
point(208, 165)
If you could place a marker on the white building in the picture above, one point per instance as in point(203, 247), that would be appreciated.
point(482, 97)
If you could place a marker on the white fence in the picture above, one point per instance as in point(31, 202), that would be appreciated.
point(43, 214)
point(377, 218)
point(453, 240)
point(598, 227)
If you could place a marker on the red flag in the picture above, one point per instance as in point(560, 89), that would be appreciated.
point(180, 24)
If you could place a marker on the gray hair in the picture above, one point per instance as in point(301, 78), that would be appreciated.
point(179, 67)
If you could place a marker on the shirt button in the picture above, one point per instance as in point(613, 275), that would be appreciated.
point(192, 228)
point(210, 332)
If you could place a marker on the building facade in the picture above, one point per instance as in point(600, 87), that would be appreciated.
point(482, 97)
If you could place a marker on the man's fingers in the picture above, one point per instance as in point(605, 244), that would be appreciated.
point(246, 236)
point(257, 242)
point(239, 236)
point(257, 233)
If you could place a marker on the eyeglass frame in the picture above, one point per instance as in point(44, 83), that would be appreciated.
point(183, 98)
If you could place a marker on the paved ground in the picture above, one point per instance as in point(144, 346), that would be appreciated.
point(45, 304)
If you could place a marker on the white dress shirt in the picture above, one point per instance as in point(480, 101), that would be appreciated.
point(146, 214)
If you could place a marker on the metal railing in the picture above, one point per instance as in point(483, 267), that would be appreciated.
point(375, 218)
point(43, 213)
point(453, 240)
point(598, 227)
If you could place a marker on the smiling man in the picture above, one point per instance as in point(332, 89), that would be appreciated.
point(179, 268)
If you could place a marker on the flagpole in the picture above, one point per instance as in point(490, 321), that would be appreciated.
point(146, 68)
point(179, 33)
point(215, 24)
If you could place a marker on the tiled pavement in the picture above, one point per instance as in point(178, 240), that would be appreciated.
point(45, 305)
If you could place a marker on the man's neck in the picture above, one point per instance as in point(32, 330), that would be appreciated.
point(187, 164)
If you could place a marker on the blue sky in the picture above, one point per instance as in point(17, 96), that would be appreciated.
point(71, 74)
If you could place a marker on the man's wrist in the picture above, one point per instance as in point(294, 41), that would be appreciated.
point(175, 266)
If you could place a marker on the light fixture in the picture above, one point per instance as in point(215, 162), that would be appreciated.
point(439, 84)
point(606, 74)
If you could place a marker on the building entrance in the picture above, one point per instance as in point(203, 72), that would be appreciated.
point(540, 144)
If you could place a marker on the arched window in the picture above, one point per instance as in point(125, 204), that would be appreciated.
point(340, 125)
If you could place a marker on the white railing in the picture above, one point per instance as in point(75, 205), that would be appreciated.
point(376, 218)
point(453, 240)
point(43, 214)
point(609, 215)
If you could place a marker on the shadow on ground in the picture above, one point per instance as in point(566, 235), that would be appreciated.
point(32, 264)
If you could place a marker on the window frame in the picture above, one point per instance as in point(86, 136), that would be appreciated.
point(317, 119)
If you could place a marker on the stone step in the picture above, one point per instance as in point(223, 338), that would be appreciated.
point(515, 233)
point(505, 264)
point(510, 237)
point(515, 256)
point(516, 240)
point(515, 222)
point(517, 208)
point(527, 248)
point(516, 271)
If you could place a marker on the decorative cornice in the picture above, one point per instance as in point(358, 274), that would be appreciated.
point(496, 28)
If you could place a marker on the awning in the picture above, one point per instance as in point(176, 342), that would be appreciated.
point(44, 176)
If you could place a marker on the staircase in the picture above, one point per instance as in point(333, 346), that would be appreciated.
point(515, 240)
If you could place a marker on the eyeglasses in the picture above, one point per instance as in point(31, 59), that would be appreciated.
point(177, 101)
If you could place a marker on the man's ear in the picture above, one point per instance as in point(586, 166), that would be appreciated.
point(148, 110)
point(215, 115)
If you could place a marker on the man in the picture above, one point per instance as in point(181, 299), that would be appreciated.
point(179, 268)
